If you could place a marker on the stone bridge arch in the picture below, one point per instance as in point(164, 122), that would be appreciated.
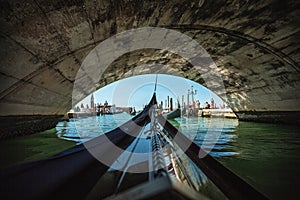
point(43, 43)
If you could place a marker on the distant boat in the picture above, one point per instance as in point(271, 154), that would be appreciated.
point(173, 114)
point(112, 113)
point(80, 114)
point(108, 110)
point(223, 113)
point(133, 113)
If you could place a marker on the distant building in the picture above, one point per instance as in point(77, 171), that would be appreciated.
point(212, 103)
point(92, 102)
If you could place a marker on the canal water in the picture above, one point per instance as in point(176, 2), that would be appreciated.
point(265, 155)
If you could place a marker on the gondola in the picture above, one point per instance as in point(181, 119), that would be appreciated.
point(174, 114)
point(133, 113)
point(76, 174)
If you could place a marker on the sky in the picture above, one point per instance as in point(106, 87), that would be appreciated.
point(137, 91)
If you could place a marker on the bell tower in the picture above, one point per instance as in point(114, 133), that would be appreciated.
point(92, 101)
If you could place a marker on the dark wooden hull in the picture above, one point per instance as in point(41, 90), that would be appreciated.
point(173, 114)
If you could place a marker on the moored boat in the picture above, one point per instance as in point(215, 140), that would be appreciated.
point(173, 114)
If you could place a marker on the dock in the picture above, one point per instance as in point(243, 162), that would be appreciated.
point(226, 113)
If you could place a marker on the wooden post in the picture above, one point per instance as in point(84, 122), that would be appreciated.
point(188, 103)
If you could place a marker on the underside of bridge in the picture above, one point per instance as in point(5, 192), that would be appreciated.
point(254, 44)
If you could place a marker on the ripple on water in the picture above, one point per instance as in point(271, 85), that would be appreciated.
point(212, 134)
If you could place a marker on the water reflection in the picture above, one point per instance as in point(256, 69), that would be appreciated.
point(83, 129)
point(213, 134)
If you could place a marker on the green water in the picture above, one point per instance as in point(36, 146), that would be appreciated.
point(31, 147)
point(265, 155)
point(268, 158)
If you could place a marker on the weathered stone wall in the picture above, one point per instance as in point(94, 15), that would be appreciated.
point(255, 45)
point(12, 126)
